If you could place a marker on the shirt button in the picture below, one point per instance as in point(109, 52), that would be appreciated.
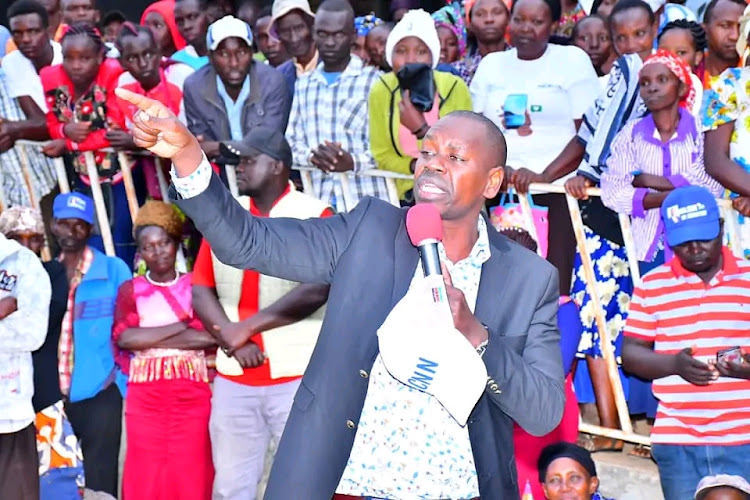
point(350, 424)
point(363, 374)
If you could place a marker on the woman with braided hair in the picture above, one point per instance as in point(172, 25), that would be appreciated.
point(687, 40)
point(159, 345)
point(82, 114)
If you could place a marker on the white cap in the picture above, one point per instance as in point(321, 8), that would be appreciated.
point(228, 27)
point(416, 23)
point(422, 349)
point(280, 8)
point(656, 4)
point(721, 480)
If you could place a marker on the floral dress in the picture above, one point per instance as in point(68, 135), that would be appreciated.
point(728, 100)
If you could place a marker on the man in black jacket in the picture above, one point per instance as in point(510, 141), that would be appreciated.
point(353, 429)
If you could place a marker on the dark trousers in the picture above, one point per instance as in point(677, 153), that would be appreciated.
point(19, 465)
point(98, 424)
point(561, 251)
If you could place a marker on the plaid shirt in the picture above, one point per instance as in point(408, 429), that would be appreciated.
point(336, 113)
point(65, 346)
point(40, 168)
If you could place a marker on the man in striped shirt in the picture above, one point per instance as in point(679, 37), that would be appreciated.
point(328, 126)
point(684, 318)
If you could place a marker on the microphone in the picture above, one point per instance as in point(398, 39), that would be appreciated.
point(425, 230)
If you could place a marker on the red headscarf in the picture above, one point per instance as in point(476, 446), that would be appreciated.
point(166, 9)
point(680, 69)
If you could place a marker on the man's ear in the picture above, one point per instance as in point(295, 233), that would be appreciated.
point(494, 182)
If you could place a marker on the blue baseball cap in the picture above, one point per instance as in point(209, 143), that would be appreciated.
point(73, 206)
point(690, 214)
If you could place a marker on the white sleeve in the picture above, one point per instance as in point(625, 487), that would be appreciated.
point(478, 87)
point(195, 183)
point(582, 82)
point(25, 329)
point(15, 74)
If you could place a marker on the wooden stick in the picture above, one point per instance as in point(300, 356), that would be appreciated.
point(627, 236)
point(24, 157)
point(3, 202)
point(62, 174)
point(630, 437)
point(163, 186)
point(101, 209)
point(127, 179)
point(232, 180)
point(601, 324)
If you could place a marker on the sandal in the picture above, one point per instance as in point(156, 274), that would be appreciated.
point(641, 451)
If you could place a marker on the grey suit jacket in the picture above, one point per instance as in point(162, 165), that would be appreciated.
point(367, 258)
point(267, 105)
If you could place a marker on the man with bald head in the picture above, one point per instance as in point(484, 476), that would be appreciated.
point(355, 430)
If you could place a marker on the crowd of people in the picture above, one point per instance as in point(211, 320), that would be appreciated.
point(201, 360)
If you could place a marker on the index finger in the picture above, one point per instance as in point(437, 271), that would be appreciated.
point(140, 101)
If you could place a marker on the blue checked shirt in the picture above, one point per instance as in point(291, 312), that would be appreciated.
point(41, 169)
point(337, 113)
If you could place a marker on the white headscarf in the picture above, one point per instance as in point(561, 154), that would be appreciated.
point(416, 23)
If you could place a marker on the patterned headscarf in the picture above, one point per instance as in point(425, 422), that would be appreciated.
point(452, 18)
point(20, 219)
point(363, 24)
point(680, 69)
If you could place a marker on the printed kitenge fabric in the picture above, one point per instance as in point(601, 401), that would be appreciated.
point(60, 455)
point(727, 101)
point(97, 105)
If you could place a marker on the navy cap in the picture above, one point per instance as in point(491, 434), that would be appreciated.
point(260, 140)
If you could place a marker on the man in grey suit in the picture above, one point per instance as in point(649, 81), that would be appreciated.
point(353, 429)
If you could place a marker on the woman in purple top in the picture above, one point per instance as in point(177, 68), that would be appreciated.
point(656, 154)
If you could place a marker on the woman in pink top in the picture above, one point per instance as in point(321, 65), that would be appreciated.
point(159, 344)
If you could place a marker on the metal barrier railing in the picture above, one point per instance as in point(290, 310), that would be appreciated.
point(625, 433)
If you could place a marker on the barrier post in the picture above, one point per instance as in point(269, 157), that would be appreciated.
point(101, 209)
point(62, 174)
point(127, 179)
point(232, 180)
point(162, 180)
point(601, 324)
point(627, 236)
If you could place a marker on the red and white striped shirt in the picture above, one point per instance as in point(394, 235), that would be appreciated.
point(675, 309)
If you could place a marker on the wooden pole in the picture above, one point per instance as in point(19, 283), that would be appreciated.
point(528, 217)
point(101, 209)
point(163, 185)
point(62, 174)
point(346, 190)
point(24, 157)
point(127, 179)
point(601, 324)
point(630, 437)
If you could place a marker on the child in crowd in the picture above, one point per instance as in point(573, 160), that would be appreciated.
point(687, 40)
point(82, 111)
point(656, 154)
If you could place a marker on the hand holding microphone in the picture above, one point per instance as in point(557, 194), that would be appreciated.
point(425, 229)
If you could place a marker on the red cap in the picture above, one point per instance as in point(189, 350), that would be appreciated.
point(423, 222)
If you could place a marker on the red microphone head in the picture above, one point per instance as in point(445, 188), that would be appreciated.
point(423, 222)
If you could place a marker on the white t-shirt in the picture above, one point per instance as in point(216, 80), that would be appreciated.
point(22, 78)
point(560, 86)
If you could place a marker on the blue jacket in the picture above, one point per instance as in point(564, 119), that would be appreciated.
point(93, 359)
point(290, 75)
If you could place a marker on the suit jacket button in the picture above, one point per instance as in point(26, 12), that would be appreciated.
point(363, 374)
point(494, 387)
point(350, 424)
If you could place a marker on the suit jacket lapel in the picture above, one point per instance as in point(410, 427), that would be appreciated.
point(493, 285)
point(405, 257)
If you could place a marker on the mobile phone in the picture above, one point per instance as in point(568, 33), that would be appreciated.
point(514, 110)
point(730, 355)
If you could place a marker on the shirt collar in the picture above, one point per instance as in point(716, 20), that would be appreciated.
point(308, 68)
point(244, 91)
point(352, 69)
point(647, 128)
point(729, 267)
point(254, 208)
point(480, 252)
